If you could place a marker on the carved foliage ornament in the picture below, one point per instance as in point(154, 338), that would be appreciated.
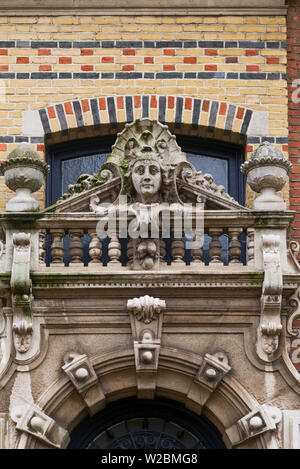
point(270, 326)
point(21, 288)
point(146, 308)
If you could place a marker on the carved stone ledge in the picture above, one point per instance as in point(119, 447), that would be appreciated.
point(208, 377)
point(82, 375)
point(260, 420)
point(146, 316)
point(32, 420)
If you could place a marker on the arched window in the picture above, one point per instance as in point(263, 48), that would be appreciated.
point(69, 160)
point(142, 424)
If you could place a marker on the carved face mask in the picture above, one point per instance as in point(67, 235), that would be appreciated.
point(146, 179)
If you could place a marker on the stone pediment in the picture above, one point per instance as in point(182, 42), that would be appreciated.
point(147, 166)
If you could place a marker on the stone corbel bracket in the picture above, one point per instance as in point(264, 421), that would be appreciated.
point(294, 303)
point(21, 290)
point(261, 420)
point(33, 421)
point(270, 325)
point(146, 316)
point(81, 373)
point(208, 377)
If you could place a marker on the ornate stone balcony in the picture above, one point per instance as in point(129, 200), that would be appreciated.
point(148, 219)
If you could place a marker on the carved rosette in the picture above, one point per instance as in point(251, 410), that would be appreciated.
point(146, 308)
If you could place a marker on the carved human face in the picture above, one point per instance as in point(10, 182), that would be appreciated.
point(146, 179)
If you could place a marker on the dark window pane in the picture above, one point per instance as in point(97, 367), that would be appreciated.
point(217, 167)
point(72, 168)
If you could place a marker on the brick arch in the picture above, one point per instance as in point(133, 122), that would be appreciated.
point(178, 110)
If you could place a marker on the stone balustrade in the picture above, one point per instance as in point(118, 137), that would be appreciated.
point(71, 242)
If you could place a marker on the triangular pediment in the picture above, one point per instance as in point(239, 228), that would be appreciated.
point(147, 166)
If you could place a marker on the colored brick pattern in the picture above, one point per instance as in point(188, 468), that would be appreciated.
point(209, 72)
point(169, 109)
point(293, 71)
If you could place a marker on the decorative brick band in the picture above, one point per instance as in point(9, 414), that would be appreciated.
point(167, 109)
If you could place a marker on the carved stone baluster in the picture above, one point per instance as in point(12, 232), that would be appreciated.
point(178, 251)
point(215, 248)
point(57, 247)
point(235, 245)
point(76, 248)
point(197, 253)
point(95, 247)
point(114, 250)
point(250, 246)
point(42, 250)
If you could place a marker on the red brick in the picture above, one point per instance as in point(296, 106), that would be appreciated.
point(249, 148)
point(107, 60)
point(148, 60)
point(87, 68)
point(251, 52)
point(205, 105)
point(169, 51)
point(252, 68)
point(68, 108)
point(128, 68)
point(272, 60)
point(65, 60)
point(3, 68)
point(128, 51)
point(171, 102)
point(231, 60)
point(211, 52)
point(40, 147)
point(190, 60)
point(188, 103)
point(153, 102)
point(22, 60)
point(44, 52)
point(45, 68)
point(137, 101)
point(168, 68)
point(85, 105)
point(3, 52)
point(86, 52)
point(211, 68)
point(102, 104)
point(120, 102)
point(3, 147)
point(51, 112)
point(223, 108)
point(240, 113)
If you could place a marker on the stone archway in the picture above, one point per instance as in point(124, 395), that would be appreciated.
point(227, 406)
point(146, 424)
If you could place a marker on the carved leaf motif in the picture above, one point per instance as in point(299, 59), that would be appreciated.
point(146, 308)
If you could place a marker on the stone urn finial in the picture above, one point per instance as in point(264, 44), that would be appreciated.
point(24, 173)
point(266, 172)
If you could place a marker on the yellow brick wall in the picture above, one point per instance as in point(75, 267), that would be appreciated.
point(22, 94)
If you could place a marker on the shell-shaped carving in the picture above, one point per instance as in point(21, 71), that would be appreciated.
point(147, 134)
point(146, 308)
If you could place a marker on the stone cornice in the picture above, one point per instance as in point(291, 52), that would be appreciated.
point(144, 7)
